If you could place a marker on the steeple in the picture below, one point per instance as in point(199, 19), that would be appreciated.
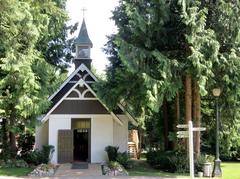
point(83, 45)
point(83, 38)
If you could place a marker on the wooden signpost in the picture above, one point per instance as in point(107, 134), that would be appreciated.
point(188, 133)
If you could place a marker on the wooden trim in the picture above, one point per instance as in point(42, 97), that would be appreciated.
point(81, 82)
point(89, 142)
point(82, 67)
point(114, 116)
point(80, 99)
point(59, 102)
point(134, 122)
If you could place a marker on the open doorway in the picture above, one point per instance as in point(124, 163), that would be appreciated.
point(80, 145)
point(81, 140)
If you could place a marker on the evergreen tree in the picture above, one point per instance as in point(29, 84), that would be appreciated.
point(164, 42)
point(224, 19)
point(26, 77)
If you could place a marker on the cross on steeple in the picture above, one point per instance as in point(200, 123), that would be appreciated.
point(83, 9)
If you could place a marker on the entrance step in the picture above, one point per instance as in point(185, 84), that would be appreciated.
point(65, 170)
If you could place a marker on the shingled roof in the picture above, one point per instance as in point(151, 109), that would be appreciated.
point(83, 38)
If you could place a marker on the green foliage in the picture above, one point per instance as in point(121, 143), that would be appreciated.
point(123, 159)
point(113, 165)
point(198, 163)
point(112, 152)
point(37, 157)
point(158, 43)
point(34, 157)
point(13, 163)
point(171, 161)
point(34, 50)
point(26, 141)
point(180, 162)
point(47, 151)
point(160, 160)
point(16, 172)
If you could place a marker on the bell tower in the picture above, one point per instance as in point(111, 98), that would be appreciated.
point(83, 46)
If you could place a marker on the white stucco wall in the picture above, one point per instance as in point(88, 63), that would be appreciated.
point(101, 136)
point(41, 135)
point(120, 134)
point(101, 133)
point(57, 122)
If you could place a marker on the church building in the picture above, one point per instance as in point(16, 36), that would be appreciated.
point(78, 124)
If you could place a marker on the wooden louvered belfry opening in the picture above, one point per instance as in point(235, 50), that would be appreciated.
point(65, 146)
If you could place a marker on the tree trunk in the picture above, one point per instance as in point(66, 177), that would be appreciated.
point(188, 98)
point(4, 138)
point(188, 102)
point(177, 117)
point(12, 138)
point(197, 117)
point(165, 123)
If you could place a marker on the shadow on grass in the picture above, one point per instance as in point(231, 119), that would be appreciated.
point(142, 168)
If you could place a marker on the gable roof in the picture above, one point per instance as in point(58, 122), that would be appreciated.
point(82, 68)
point(80, 82)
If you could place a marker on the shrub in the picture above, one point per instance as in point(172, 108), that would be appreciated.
point(37, 157)
point(112, 152)
point(33, 157)
point(172, 161)
point(199, 162)
point(25, 142)
point(159, 160)
point(179, 161)
point(113, 165)
point(209, 158)
point(13, 163)
point(47, 152)
point(123, 159)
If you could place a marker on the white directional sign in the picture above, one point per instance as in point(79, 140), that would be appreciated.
point(182, 126)
point(182, 136)
point(189, 134)
point(199, 129)
point(183, 132)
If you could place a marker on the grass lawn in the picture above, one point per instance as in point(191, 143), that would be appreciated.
point(15, 171)
point(231, 170)
point(141, 168)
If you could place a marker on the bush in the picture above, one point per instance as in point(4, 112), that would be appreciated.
point(171, 161)
point(13, 163)
point(37, 157)
point(159, 160)
point(123, 159)
point(198, 164)
point(179, 161)
point(112, 152)
point(26, 142)
point(113, 165)
point(34, 157)
point(47, 152)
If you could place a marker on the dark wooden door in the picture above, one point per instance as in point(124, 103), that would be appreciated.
point(65, 146)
